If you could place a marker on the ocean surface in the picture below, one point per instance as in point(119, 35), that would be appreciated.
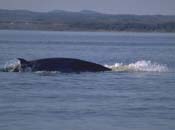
point(139, 94)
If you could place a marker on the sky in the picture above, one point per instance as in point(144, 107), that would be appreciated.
point(140, 7)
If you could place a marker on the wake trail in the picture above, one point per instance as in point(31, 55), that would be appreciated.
point(138, 66)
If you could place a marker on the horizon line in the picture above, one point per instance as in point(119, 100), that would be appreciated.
point(81, 11)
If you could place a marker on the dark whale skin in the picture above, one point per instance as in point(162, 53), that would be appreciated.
point(65, 65)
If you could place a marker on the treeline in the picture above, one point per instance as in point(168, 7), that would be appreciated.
point(84, 21)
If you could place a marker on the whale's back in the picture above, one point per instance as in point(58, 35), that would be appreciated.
point(66, 65)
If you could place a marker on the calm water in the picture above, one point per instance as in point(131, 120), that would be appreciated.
point(139, 94)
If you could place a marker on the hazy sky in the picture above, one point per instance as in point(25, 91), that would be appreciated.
point(105, 6)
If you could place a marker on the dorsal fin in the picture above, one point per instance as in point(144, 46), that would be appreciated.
point(22, 61)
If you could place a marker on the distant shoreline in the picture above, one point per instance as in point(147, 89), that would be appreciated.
point(105, 31)
point(84, 21)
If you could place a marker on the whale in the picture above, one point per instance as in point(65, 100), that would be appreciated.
point(64, 65)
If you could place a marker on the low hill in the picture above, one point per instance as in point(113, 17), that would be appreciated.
point(84, 20)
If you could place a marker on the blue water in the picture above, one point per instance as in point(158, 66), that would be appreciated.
point(137, 95)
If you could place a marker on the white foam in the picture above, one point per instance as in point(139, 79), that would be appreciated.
point(11, 65)
point(139, 66)
point(47, 72)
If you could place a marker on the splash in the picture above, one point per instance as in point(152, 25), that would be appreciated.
point(139, 66)
point(11, 65)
